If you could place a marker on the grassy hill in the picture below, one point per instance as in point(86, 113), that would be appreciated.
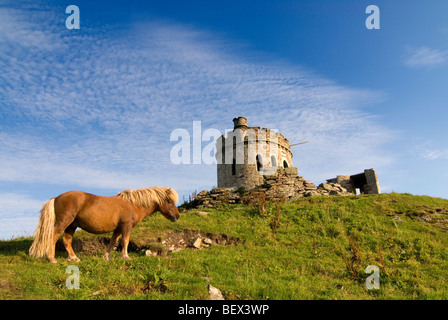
point(312, 248)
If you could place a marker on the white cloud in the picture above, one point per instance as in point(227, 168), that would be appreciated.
point(19, 203)
point(17, 227)
point(425, 57)
point(18, 214)
point(429, 151)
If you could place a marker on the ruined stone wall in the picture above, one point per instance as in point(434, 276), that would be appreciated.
point(367, 182)
point(285, 184)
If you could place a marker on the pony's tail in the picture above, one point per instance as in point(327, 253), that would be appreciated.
point(43, 236)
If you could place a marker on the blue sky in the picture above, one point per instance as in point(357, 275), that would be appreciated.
point(92, 109)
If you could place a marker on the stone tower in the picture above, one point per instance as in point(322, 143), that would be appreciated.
point(249, 153)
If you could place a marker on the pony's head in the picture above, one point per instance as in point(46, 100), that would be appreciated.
point(168, 206)
point(161, 199)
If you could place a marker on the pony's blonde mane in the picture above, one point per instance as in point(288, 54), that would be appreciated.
point(147, 197)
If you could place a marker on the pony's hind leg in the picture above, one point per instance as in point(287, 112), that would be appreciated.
point(58, 230)
point(112, 244)
point(125, 240)
point(67, 240)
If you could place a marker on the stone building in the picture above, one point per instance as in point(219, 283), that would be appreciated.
point(249, 153)
point(253, 161)
point(365, 182)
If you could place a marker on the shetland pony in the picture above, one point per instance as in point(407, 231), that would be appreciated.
point(98, 214)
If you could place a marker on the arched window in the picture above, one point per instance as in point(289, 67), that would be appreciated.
point(285, 164)
point(273, 161)
point(259, 162)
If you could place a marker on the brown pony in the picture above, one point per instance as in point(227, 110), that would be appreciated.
point(98, 214)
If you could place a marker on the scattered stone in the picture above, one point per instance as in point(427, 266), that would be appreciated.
point(202, 193)
point(425, 219)
point(97, 292)
point(208, 241)
point(215, 293)
point(149, 253)
point(173, 241)
point(202, 213)
point(326, 186)
point(196, 243)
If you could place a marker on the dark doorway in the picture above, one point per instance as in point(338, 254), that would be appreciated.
point(259, 162)
point(358, 181)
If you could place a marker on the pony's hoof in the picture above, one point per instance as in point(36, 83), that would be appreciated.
point(126, 258)
point(106, 257)
point(74, 259)
point(53, 261)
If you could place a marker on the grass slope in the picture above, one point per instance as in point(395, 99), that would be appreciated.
point(312, 248)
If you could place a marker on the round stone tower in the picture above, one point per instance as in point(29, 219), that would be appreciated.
point(249, 153)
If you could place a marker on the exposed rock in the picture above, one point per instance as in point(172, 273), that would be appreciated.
point(202, 193)
point(215, 293)
point(312, 194)
point(292, 171)
point(196, 243)
point(326, 186)
point(149, 253)
point(97, 292)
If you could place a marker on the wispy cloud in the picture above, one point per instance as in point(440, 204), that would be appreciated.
point(19, 215)
point(425, 57)
point(96, 109)
point(429, 151)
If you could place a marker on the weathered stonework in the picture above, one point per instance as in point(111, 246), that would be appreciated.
point(254, 162)
point(248, 153)
point(366, 182)
point(284, 185)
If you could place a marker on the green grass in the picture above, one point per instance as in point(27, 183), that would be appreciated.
point(312, 248)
